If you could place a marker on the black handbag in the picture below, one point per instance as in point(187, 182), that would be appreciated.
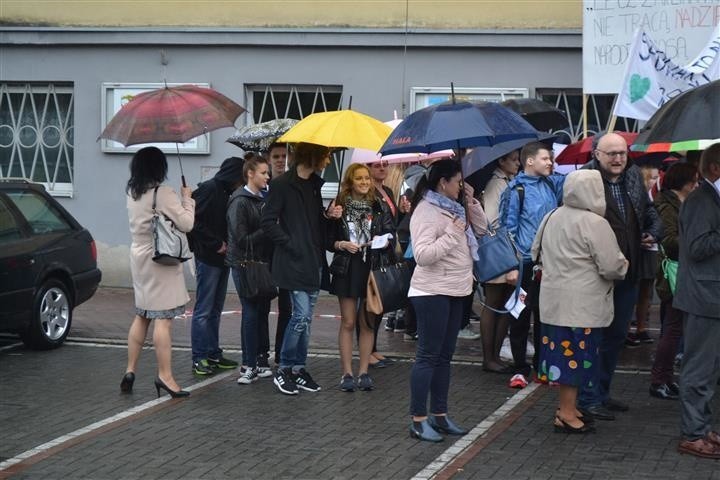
point(388, 287)
point(340, 264)
point(255, 278)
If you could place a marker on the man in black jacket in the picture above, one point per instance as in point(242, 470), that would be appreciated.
point(208, 241)
point(636, 224)
point(296, 222)
point(698, 295)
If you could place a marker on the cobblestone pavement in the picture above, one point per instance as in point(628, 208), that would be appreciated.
point(226, 430)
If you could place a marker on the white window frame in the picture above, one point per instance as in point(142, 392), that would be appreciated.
point(472, 94)
point(111, 101)
point(56, 189)
point(329, 189)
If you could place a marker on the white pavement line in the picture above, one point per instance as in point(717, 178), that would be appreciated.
point(107, 421)
point(8, 347)
point(457, 448)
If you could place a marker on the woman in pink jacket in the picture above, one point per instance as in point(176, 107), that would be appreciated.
point(444, 246)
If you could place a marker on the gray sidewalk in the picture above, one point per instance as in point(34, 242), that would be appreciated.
point(108, 315)
point(229, 431)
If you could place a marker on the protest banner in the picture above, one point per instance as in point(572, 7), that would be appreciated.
point(652, 79)
point(680, 28)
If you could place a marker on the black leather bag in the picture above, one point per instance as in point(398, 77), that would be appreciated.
point(388, 287)
point(255, 278)
point(340, 264)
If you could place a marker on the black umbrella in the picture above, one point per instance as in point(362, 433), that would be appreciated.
point(537, 113)
point(690, 121)
point(479, 164)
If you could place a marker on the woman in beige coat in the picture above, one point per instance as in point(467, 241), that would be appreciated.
point(580, 260)
point(160, 292)
point(494, 326)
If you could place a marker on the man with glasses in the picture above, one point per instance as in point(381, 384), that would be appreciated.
point(636, 224)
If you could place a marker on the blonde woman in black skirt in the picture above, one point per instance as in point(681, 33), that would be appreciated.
point(350, 237)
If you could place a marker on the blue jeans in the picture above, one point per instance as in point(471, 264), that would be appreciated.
point(612, 341)
point(210, 299)
point(254, 313)
point(438, 324)
point(297, 334)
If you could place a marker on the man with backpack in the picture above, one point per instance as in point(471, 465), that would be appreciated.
point(527, 199)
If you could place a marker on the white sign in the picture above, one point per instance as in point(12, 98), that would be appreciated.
point(680, 28)
point(652, 79)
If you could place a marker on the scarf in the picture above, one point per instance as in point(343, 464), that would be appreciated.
point(359, 213)
point(453, 207)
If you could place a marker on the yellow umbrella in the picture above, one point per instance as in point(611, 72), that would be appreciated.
point(342, 128)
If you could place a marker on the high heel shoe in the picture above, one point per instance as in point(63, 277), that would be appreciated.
point(179, 394)
point(448, 427)
point(127, 382)
point(565, 427)
point(424, 432)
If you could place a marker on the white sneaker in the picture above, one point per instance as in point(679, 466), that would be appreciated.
point(264, 372)
point(467, 334)
point(506, 351)
point(249, 376)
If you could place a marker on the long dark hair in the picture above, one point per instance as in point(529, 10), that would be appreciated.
point(446, 168)
point(148, 168)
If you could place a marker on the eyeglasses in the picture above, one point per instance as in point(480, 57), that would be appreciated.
point(614, 154)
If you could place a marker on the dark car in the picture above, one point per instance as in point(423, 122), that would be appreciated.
point(48, 265)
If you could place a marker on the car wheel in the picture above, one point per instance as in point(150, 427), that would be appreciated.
point(52, 316)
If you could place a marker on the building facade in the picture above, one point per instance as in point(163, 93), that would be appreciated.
point(65, 70)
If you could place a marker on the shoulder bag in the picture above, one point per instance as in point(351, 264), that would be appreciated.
point(254, 275)
point(497, 252)
point(497, 255)
point(170, 244)
point(387, 288)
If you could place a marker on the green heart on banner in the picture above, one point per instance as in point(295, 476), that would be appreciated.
point(639, 86)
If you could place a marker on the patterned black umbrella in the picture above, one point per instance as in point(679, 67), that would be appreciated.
point(259, 137)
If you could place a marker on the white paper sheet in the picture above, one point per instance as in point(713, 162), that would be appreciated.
point(381, 241)
point(516, 308)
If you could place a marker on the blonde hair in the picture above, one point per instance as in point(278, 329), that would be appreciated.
point(347, 183)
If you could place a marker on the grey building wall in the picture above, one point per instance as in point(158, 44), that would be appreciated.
point(368, 65)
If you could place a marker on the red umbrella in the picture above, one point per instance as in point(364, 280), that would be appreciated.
point(578, 153)
point(171, 114)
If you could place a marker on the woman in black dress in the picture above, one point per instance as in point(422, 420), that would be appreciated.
point(363, 219)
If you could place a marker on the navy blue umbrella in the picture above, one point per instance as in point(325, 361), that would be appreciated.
point(457, 125)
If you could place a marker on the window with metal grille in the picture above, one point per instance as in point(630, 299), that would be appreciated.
point(36, 134)
point(599, 112)
point(269, 102)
